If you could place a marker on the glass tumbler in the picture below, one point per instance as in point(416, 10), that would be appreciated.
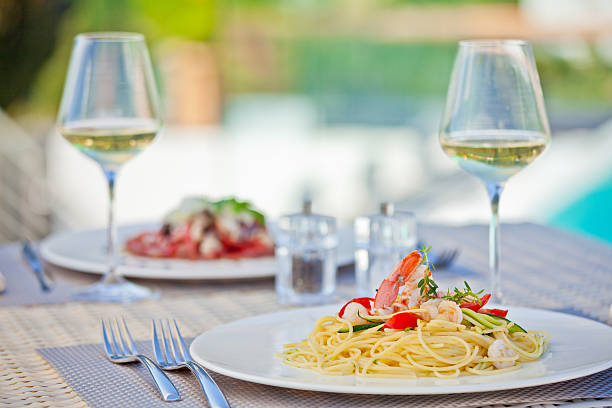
point(381, 241)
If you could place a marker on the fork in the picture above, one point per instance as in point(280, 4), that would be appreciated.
point(445, 258)
point(122, 352)
point(175, 355)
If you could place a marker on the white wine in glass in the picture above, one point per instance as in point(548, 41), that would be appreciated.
point(111, 143)
point(494, 122)
point(497, 155)
point(110, 112)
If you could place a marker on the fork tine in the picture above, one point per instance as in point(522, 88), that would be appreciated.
point(124, 345)
point(178, 354)
point(107, 346)
point(455, 253)
point(132, 348)
point(452, 254)
point(443, 259)
point(184, 347)
point(157, 351)
point(115, 343)
point(169, 355)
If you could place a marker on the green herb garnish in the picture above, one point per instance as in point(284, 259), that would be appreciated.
point(239, 206)
point(466, 295)
point(427, 286)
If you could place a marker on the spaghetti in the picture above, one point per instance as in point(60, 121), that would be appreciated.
point(436, 348)
point(417, 333)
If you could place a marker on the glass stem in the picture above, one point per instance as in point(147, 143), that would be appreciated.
point(111, 276)
point(494, 190)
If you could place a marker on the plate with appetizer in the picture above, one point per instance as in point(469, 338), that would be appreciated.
point(200, 239)
point(411, 337)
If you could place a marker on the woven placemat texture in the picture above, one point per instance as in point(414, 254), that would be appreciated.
point(542, 267)
point(26, 379)
point(84, 367)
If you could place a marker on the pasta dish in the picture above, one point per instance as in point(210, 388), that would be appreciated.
point(419, 332)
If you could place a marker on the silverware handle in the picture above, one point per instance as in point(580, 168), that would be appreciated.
point(44, 286)
point(167, 390)
point(36, 266)
point(213, 393)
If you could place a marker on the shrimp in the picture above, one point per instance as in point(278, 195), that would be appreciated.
point(352, 312)
point(411, 295)
point(499, 349)
point(442, 310)
point(401, 275)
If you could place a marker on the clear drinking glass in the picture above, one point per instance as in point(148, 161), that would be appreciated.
point(381, 241)
point(494, 123)
point(110, 112)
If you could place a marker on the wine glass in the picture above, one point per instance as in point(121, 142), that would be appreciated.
point(110, 112)
point(494, 123)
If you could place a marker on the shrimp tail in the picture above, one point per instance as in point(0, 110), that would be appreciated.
point(387, 293)
point(389, 288)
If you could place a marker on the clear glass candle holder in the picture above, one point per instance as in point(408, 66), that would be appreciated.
point(306, 254)
point(381, 240)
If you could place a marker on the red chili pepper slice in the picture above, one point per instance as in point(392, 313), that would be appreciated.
point(401, 321)
point(364, 301)
point(475, 306)
point(496, 312)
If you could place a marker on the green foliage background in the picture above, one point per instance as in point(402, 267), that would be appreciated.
point(312, 64)
point(158, 19)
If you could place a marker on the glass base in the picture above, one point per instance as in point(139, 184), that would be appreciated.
point(119, 291)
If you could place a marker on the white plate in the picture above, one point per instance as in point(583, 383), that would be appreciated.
point(245, 349)
point(85, 251)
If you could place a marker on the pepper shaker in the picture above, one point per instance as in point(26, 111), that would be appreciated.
point(306, 246)
point(381, 240)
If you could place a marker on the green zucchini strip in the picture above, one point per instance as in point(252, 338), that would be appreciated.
point(360, 327)
point(491, 321)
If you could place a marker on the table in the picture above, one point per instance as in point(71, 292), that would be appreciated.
point(542, 267)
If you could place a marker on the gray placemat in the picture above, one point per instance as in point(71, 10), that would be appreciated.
point(104, 384)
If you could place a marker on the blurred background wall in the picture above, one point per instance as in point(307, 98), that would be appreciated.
point(277, 100)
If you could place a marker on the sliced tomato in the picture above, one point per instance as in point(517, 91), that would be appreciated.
point(187, 249)
point(496, 312)
point(151, 244)
point(475, 306)
point(180, 233)
point(402, 321)
point(135, 245)
point(252, 251)
point(180, 244)
point(363, 301)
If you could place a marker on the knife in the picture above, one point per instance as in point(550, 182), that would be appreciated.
point(36, 266)
point(3, 283)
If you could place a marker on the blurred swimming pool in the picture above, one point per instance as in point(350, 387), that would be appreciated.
point(590, 214)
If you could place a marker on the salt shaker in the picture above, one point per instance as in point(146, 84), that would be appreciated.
point(306, 246)
point(381, 240)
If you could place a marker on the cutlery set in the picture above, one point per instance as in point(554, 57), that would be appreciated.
point(170, 353)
